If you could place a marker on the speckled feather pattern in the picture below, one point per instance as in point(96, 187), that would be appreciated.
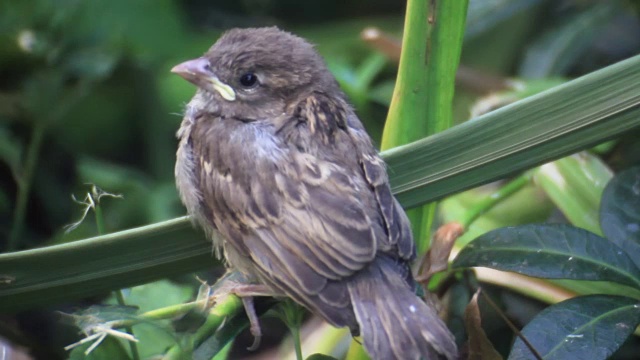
point(288, 177)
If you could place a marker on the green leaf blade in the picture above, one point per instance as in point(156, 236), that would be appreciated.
point(557, 122)
point(104, 263)
point(587, 327)
point(551, 251)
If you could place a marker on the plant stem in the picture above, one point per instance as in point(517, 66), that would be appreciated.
point(168, 312)
point(129, 329)
point(295, 333)
point(422, 98)
point(24, 182)
point(118, 293)
point(99, 220)
point(220, 314)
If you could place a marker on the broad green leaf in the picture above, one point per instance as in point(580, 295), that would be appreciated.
point(586, 327)
point(620, 212)
point(551, 251)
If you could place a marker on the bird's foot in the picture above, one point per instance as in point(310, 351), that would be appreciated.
point(240, 287)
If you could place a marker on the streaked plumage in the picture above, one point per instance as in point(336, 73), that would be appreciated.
point(286, 173)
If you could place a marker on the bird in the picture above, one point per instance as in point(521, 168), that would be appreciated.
point(275, 165)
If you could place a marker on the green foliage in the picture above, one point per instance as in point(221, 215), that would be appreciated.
point(86, 98)
point(592, 326)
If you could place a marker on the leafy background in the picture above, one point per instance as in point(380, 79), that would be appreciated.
point(86, 98)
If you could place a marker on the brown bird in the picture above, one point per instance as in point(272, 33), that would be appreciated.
point(274, 160)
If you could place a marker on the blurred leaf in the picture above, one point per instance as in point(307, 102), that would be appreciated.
point(519, 89)
point(551, 251)
point(10, 151)
point(558, 49)
point(480, 348)
point(508, 212)
point(382, 93)
point(92, 63)
point(587, 327)
point(356, 81)
point(575, 185)
point(485, 14)
point(97, 314)
point(115, 177)
point(620, 212)
point(155, 337)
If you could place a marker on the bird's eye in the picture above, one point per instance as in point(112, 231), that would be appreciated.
point(249, 80)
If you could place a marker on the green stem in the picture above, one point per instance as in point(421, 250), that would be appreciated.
point(423, 96)
point(422, 234)
point(24, 185)
point(495, 198)
point(118, 293)
point(220, 314)
point(129, 329)
point(99, 220)
point(169, 312)
point(295, 333)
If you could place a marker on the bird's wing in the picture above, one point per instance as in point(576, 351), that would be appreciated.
point(398, 228)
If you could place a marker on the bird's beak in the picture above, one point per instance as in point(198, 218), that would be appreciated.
point(198, 72)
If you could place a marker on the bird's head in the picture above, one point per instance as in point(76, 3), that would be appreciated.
point(256, 72)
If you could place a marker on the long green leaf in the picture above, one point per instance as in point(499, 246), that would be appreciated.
point(89, 267)
point(545, 127)
point(530, 132)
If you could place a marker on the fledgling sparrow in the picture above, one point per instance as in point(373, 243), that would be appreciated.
point(274, 159)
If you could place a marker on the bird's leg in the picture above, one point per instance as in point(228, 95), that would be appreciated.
point(246, 293)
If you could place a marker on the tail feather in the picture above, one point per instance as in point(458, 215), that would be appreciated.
point(394, 322)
